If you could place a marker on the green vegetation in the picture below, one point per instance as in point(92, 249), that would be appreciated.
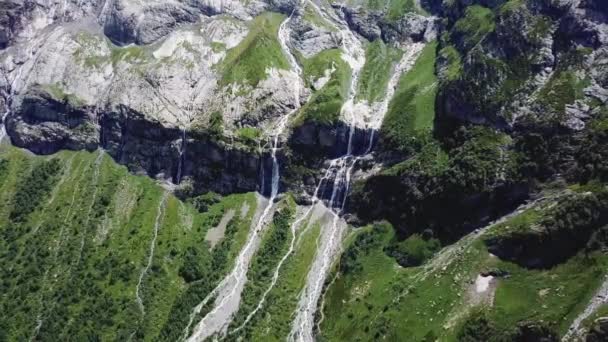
point(249, 134)
point(272, 323)
point(275, 244)
point(325, 104)
point(511, 7)
point(552, 296)
point(218, 46)
point(379, 60)
point(440, 178)
point(372, 298)
point(311, 16)
point(364, 243)
point(519, 224)
point(602, 311)
point(397, 8)
point(562, 89)
point(58, 93)
point(410, 116)
point(4, 167)
point(384, 301)
point(432, 160)
point(592, 155)
point(75, 233)
point(477, 22)
point(88, 51)
point(572, 224)
point(247, 62)
point(414, 250)
point(132, 53)
point(34, 188)
point(454, 62)
point(216, 125)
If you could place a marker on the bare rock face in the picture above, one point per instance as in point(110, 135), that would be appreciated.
point(143, 23)
point(599, 330)
point(9, 21)
point(412, 27)
point(310, 39)
point(363, 21)
point(374, 25)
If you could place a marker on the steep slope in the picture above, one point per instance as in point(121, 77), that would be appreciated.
point(90, 250)
point(383, 138)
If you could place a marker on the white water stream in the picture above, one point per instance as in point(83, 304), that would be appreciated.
point(356, 115)
point(182, 158)
point(159, 214)
point(576, 332)
point(95, 183)
point(275, 277)
point(228, 293)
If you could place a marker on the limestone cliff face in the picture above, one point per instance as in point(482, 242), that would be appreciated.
point(131, 77)
point(70, 82)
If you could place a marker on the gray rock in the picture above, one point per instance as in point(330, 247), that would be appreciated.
point(363, 21)
point(412, 27)
point(134, 22)
point(311, 40)
point(576, 115)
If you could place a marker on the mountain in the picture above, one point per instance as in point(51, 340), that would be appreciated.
point(406, 170)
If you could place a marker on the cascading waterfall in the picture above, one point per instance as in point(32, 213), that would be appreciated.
point(182, 158)
point(342, 168)
point(7, 111)
point(353, 54)
point(275, 276)
point(8, 102)
point(227, 294)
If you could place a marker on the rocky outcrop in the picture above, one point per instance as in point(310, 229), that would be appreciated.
point(46, 124)
point(598, 331)
point(374, 25)
point(9, 21)
point(131, 22)
point(512, 63)
point(412, 27)
point(310, 39)
point(321, 141)
point(576, 223)
point(363, 21)
point(534, 332)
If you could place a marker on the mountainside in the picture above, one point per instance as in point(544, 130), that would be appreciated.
point(405, 170)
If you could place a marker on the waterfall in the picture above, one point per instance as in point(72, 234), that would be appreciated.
point(275, 275)
point(4, 116)
point(342, 169)
point(8, 103)
point(227, 294)
point(182, 158)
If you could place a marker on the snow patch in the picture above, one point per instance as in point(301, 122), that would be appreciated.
point(482, 283)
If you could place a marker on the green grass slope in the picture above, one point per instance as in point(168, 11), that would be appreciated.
point(76, 231)
point(411, 112)
point(373, 298)
point(247, 62)
point(379, 59)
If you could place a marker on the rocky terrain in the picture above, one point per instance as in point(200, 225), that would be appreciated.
point(424, 170)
